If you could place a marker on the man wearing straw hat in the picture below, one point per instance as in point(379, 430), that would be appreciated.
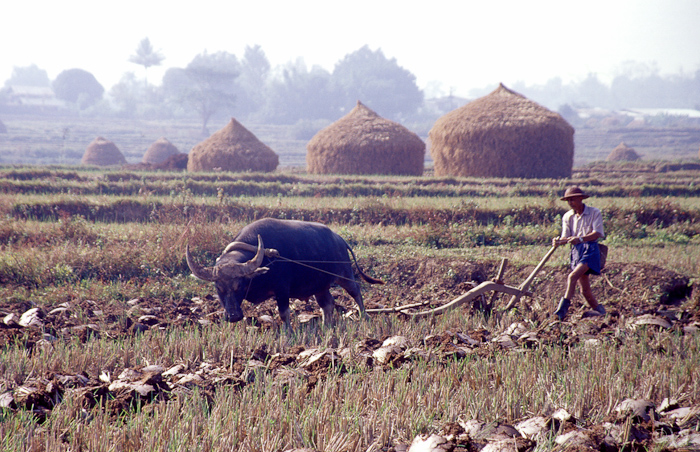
point(582, 226)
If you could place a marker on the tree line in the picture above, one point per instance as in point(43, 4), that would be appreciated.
point(223, 85)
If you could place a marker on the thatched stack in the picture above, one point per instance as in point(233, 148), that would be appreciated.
point(159, 150)
point(362, 142)
point(622, 153)
point(232, 148)
point(502, 134)
point(102, 152)
point(176, 162)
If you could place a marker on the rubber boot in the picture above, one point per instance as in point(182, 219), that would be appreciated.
point(563, 308)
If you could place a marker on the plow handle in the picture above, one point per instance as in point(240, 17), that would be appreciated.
point(526, 284)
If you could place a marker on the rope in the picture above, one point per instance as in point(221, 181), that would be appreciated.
point(303, 264)
point(315, 262)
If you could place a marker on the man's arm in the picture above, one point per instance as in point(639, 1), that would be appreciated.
point(591, 237)
point(565, 231)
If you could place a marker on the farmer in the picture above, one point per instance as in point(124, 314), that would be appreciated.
point(582, 226)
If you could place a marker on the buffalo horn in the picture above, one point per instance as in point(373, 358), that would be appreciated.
point(250, 266)
point(203, 273)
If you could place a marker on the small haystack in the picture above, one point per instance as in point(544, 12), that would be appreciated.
point(362, 142)
point(232, 148)
point(160, 150)
point(102, 152)
point(623, 153)
point(176, 162)
point(502, 134)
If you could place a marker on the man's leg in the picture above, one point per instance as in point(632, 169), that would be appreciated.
point(578, 273)
point(571, 280)
point(585, 283)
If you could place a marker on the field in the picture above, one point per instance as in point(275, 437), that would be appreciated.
point(107, 342)
point(125, 351)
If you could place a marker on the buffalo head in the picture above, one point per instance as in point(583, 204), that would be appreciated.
point(230, 277)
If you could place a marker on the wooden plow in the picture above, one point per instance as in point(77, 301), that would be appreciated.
point(483, 288)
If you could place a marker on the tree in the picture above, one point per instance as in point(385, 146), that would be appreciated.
point(136, 100)
point(79, 87)
point(297, 93)
point(206, 85)
point(125, 94)
point(28, 76)
point(568, 113)
point(146, 56)
point(378, 82)
point(593, 92)
point(255, 72)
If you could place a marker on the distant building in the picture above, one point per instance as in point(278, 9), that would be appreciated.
point(641, 112)
point(20, 98)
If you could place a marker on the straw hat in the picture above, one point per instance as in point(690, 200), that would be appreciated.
point(574, 192)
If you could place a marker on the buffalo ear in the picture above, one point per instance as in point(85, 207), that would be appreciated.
point(258, 271)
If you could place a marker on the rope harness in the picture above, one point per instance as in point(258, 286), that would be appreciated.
point(305, 263)
point(274, 255)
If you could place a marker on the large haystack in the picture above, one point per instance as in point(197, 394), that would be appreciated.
point(362, 142)
point(232, 148)
point(102, 152)
point(622, 153)
point(502, 134)
point(159, 150)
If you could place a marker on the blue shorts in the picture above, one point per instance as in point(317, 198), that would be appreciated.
point(586, 253)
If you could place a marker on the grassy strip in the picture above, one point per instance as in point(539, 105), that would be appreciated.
point(315, 189)
point(40, 254)
point(633, 220)
point(124, 183)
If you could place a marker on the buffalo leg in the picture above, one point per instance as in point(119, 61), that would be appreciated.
point(327, 303)
point(353, 289)
point(283, 308)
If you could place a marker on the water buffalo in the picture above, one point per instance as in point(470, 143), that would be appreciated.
point(302, 259)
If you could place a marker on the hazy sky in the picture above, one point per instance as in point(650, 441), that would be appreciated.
point(460, 44)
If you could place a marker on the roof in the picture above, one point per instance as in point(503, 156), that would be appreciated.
point(40, 96)
point(689, 112)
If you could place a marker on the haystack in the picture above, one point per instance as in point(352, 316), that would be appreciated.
point(102, 152)
point(176, 162)
point(232, 148)
point(502, 134)
point(362, 142)
point(623, 153)
point(159, 150)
